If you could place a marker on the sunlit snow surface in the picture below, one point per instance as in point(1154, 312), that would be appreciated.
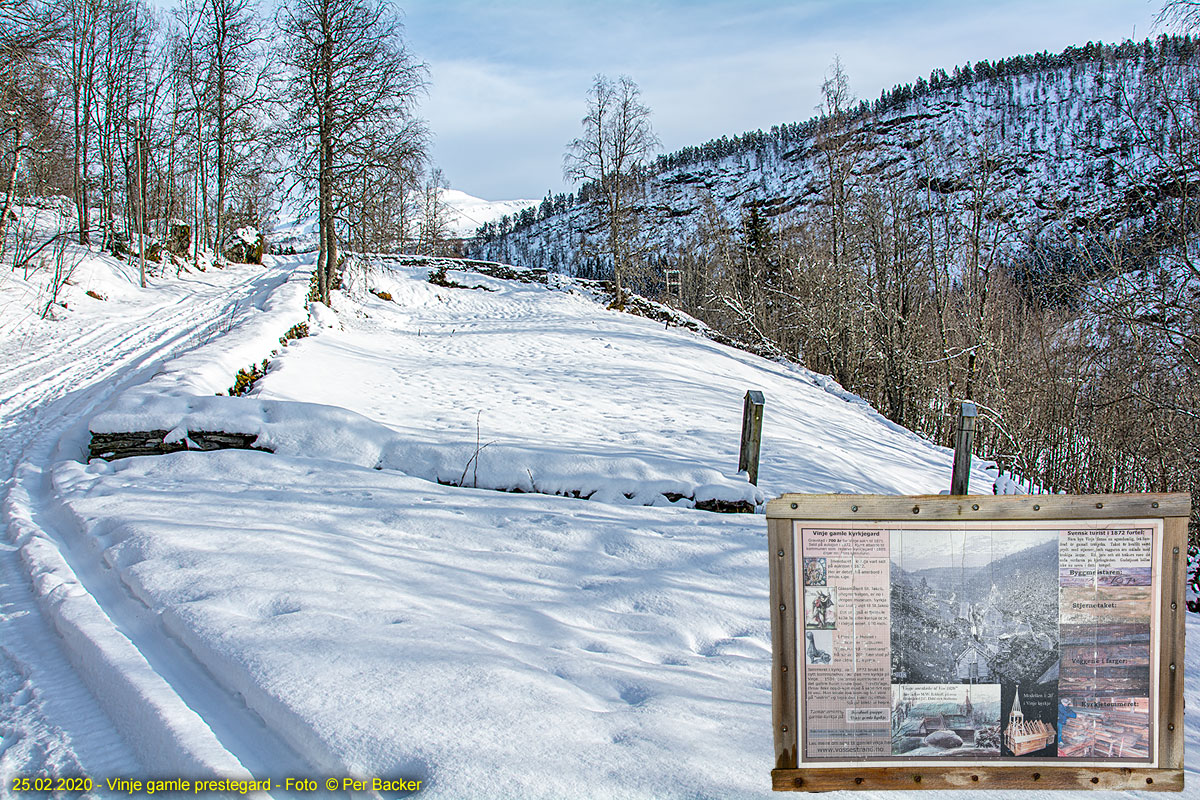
point(490, 644)
point(385, 625)
point(467, 213)
point(554, 384)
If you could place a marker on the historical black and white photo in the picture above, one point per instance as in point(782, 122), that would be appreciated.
point(974, 607)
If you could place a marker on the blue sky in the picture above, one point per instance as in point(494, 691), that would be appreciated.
point(509, 80)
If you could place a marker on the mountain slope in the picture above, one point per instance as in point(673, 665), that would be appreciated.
point(1059, 136)
point(469, 213)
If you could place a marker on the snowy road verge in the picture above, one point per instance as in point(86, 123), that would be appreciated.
point(120, 651)
point(151, 717)
point(454, 636)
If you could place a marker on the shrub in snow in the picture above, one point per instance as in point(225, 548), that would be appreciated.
point(245, 379)
point(297, 331)
point(314, 295)
point(438, 278)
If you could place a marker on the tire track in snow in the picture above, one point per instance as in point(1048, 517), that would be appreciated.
point(138, 672)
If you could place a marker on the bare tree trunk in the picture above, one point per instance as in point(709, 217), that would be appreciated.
point(222, 120)
point(11, 189)
point(141, 215)
point(330, 228)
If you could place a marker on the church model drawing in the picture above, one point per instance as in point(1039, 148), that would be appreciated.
point(1021, 736)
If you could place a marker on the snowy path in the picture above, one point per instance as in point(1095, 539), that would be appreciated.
point(52, 379)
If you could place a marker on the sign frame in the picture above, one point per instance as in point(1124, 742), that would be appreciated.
point(1173, 509)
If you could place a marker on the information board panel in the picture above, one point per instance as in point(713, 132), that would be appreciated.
point(978, 642)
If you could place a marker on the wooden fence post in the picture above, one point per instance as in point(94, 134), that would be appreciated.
point(752, 416)
point(960, 477)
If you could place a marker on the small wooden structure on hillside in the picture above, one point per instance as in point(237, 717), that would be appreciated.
point(974, 663)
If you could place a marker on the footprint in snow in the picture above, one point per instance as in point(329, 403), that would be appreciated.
point(635, 695)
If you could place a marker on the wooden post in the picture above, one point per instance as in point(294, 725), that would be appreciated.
point(964, 439)
point(752, 416)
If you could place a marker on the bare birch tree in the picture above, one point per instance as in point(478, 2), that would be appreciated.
point(435, 215)
point(27, 33)
point(82, 20)
point(354, 81)
point(228, 60)
point(617, 140)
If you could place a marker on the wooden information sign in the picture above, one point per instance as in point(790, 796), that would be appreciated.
point(978, 642)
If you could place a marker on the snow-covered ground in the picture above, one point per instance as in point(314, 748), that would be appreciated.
point(104, 335)
point(332, 609)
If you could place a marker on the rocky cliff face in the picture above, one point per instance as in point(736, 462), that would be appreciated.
point(1078, 140)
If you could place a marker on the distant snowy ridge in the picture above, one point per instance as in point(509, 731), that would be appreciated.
point(1060, 139)
point(468, 213)
point(465, 214)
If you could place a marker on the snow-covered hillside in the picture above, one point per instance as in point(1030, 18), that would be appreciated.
point(335, 608)
point(1063, 142)
point(468, 213)
point(465, 214)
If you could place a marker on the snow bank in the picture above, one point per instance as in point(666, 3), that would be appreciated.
point(483, 643)
point(334, 434)
point(151, 717)
point(210, 368)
